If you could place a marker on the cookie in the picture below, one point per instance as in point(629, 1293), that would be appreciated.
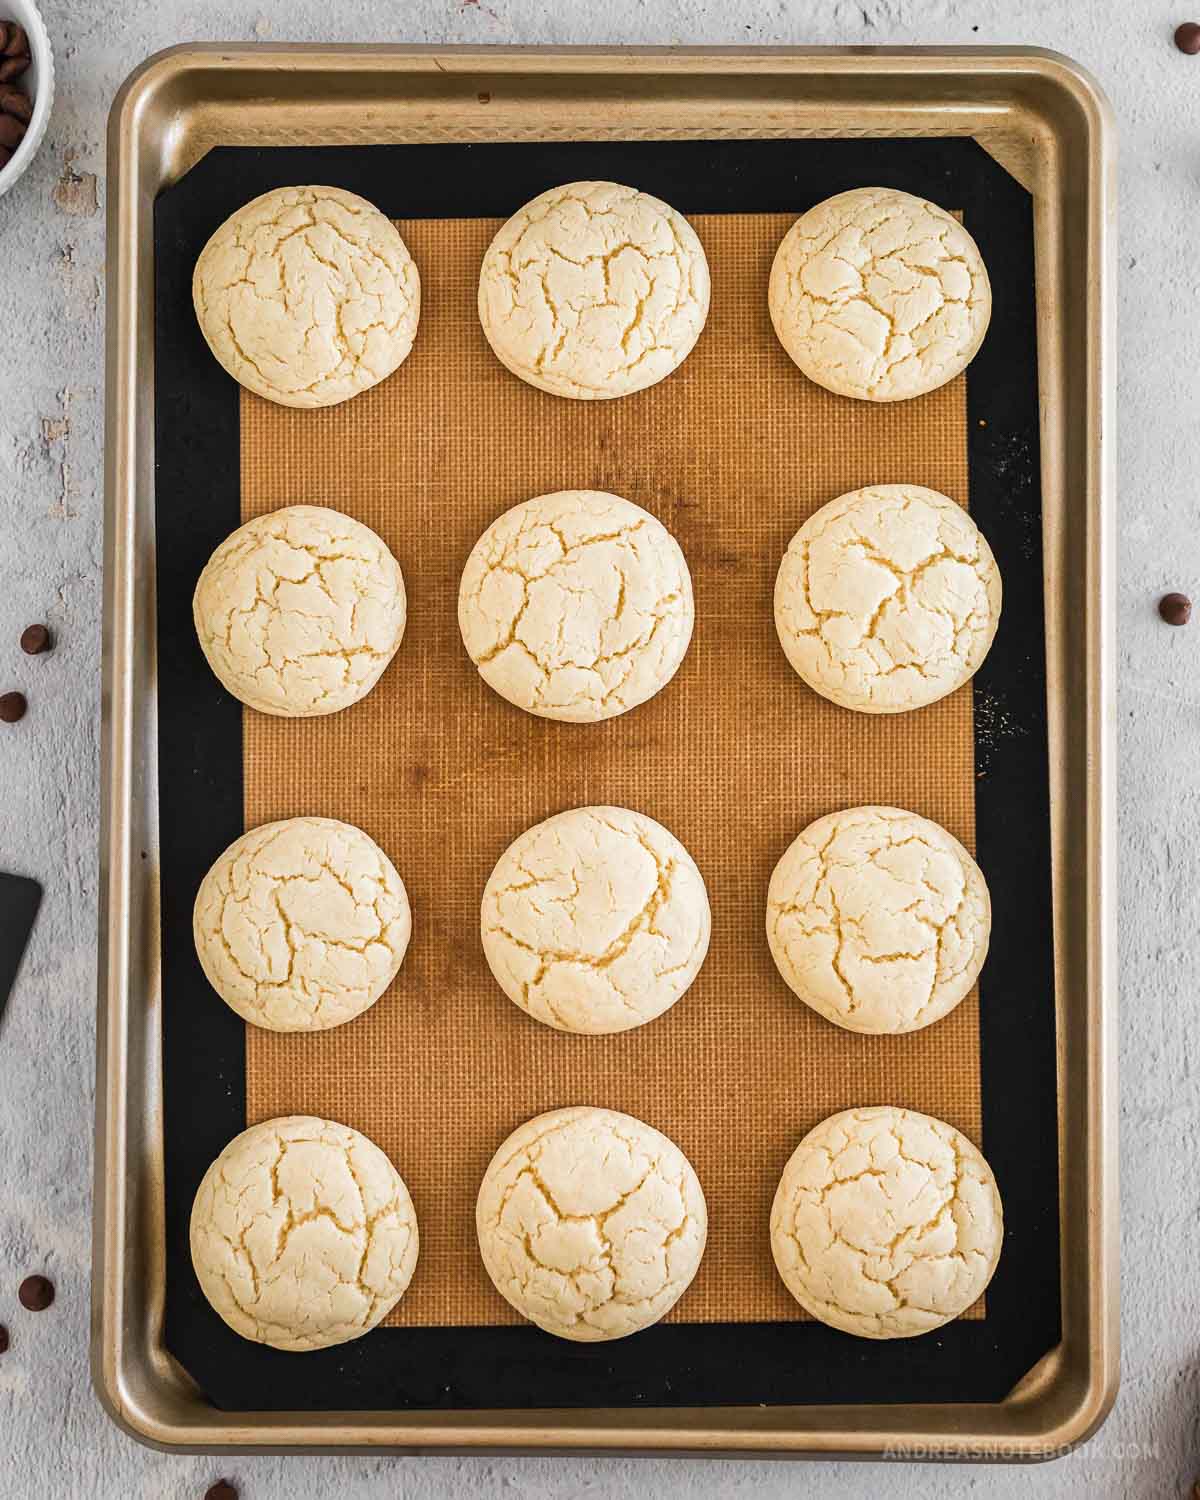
point(596, 920)
point(879, 295)
point(307, 296)
point(301, 925)
point(303, 1234)
point(878, 919)
point(887, 1223)
point(887, 598)
point(576, 605)
point(590, 1223)
point(594, 290)
point(299, 611)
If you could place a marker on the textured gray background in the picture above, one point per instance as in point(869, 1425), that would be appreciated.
point(54, 1439)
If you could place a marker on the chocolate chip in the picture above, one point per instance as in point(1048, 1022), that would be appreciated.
point(3, 1339)
point(484, 98)
point(1187, 38)
point(35, 640)
point(12, 132)
point(12, 707)
point(1176, 609)
point(36, 1293)
point(15, 102)
point(14, 51)
point(15, 40)
point(222, 1490)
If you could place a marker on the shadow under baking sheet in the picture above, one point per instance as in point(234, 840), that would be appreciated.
point(735, 756)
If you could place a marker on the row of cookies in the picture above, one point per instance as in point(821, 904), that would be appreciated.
point(597, 920)
point(308, 295)
point(592, 1224)
point(578, 605)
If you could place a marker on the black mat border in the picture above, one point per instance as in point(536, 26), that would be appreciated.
point(200, 782)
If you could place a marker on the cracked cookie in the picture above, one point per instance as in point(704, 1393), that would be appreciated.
point(595, 921)
point(307, 296)
point(887, 598)
point(576, 605)
point(591, 1223)
point(879, 295)
point(878, 919)
point(887, 1223)
point(594, 290)
point(301, 925)
point(303, 1234)
point(299, 611)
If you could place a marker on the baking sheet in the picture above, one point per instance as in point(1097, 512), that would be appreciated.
point(732, 453)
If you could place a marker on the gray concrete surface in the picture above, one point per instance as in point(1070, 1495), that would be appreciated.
point(54, 1439)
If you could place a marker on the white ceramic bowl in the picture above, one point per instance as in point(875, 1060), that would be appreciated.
point(37, 81)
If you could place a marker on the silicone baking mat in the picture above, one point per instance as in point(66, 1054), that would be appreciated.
point(735, 756)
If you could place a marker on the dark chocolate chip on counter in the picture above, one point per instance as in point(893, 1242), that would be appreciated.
point(1176, 609)
point(3, 1339)
point(12, 707)
point(1187, 38)
point(35, 640)
point(222, 1490)
point(36, 1293)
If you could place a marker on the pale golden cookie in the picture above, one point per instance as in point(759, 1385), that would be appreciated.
point(594, 290)
point(887, 598)
point(879, 295)
point(887, 1223)
point(590, 1223)
point(303, 1234)
point(596, 920)
point(878, 919)
point(299, 611)
point(576, 605)
point(307, 295)
point(301, 925)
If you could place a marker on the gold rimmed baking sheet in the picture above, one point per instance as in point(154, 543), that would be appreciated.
point(735, 756)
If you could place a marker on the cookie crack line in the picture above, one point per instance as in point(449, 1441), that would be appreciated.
point(885, 1248)
point(642, 920)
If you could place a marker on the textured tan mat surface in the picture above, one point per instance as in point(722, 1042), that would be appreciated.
point(735, 756)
